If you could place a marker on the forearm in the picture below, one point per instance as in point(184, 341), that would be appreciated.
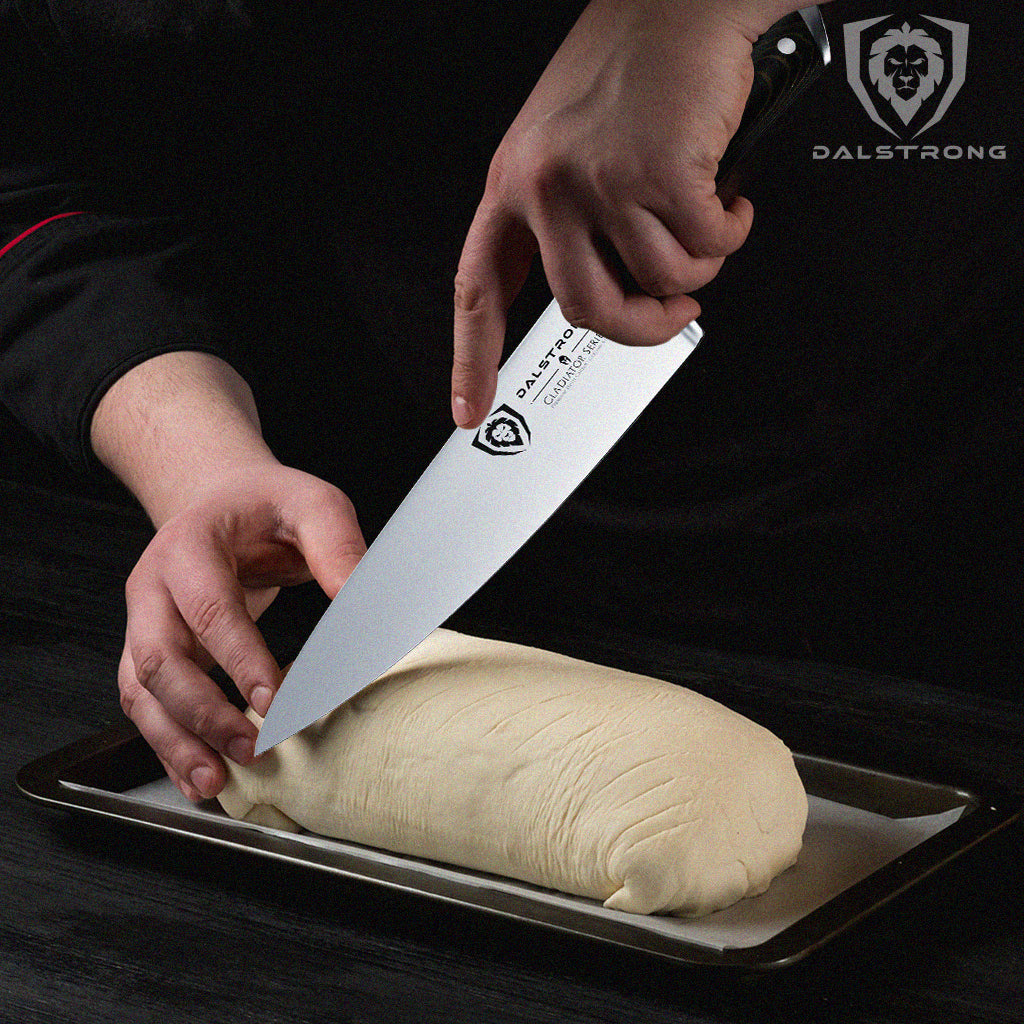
point(174, 423)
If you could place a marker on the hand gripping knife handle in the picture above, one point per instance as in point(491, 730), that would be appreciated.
point(787, 59)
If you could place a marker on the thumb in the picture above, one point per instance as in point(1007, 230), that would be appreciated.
point(328, 536)
point(495, 261)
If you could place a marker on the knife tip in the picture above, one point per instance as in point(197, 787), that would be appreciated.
point(269, 736)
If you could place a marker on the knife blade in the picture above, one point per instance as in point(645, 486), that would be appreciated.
point(564, 397)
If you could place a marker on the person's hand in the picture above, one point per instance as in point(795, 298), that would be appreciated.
point(192, 599)
point(609, 172)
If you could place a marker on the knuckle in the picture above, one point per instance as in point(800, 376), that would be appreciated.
point(693, 164)
point(240, 666)
point(466, 365)
point(139, 580)
point(351, 549)
point(150, 664)
point(550, 176)
point(204, 718)
point(705, 238)
point(611, 179)
point(470, 294)
point(701, 246)
point(338, 504)
point(207, 613)
point(129, 694)
point(581, 312)
point(661, 283)
point(704, 273)
point(180, 755)
point(339, 510)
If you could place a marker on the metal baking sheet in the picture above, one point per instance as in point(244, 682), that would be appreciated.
point(870, 835)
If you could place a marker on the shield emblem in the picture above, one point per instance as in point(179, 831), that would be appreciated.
point(906, 69)
point(504, 432)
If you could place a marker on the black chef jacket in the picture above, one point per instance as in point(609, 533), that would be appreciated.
point(833, 475)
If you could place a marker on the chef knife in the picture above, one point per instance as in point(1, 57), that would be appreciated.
point(564, 397)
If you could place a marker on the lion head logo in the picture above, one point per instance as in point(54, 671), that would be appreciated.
point(504, 432)
point(906, 70)
point(905, 65)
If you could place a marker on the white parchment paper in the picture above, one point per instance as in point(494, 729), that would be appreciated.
point(842, 845)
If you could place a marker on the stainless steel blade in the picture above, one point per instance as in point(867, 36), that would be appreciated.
point(564, 397)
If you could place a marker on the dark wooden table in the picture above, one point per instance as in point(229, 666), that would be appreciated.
point(104, 922)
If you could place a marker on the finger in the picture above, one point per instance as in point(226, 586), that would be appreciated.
point(184, 786)
point(704, 227)
point(206, 591)
point(327, 534)
point(658, 264)
point(164, 650)
point(590, 293)
point(191, 765)
point(494, 264)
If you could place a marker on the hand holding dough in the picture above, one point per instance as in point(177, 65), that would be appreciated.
point(540, 767)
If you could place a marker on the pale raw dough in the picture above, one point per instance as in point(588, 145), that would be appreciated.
point(540, 767)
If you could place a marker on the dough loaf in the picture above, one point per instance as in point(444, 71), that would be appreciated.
point(529, 764)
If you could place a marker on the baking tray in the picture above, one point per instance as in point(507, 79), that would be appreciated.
point(115, 774)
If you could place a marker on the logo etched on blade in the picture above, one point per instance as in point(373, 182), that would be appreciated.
point(504, 432)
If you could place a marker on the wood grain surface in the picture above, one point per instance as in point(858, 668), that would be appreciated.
point(102, 922)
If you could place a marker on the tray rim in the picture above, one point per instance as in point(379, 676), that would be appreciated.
point(41, 781)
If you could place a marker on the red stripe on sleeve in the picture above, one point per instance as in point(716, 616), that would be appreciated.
point(35, 227)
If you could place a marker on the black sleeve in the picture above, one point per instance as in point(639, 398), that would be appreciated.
point(116, 173)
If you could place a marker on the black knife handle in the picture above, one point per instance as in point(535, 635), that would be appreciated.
point(787, 58)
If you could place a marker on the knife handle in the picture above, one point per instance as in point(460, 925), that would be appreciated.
point(787, 58)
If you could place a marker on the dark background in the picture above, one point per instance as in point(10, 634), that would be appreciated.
point(835, 474)
point(818, 524)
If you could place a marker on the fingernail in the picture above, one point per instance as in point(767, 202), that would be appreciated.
point(240, 750)
point(203, 779)
point(260, 699)
point(461, 411)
